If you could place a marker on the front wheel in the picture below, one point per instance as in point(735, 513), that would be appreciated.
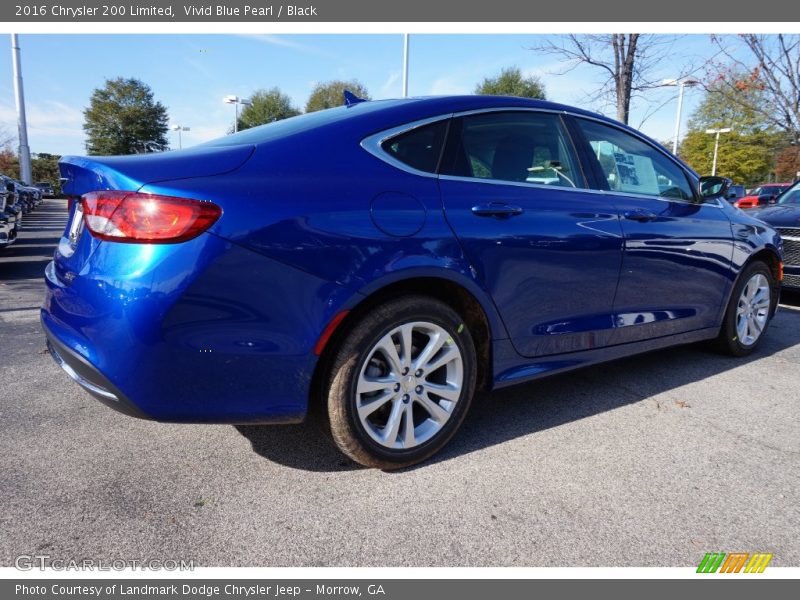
point(749, 310)
point(401, 383)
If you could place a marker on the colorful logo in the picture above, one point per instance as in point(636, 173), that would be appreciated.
point(736, 562)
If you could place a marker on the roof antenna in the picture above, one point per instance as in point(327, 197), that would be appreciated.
point(350, 99)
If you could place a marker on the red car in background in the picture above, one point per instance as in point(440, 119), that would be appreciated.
point(762, 196)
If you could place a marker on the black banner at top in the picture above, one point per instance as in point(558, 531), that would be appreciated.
point(513, 11)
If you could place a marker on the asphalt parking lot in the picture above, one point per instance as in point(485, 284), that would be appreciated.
point(650, 461)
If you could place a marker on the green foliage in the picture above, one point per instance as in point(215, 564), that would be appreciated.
point(511, 82)
point(9, 163)
point(746, 154)
point(123, 118)
point(45, 168)
point(330, 94)
point(266, 106)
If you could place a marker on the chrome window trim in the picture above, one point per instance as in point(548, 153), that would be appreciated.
point(373, 144)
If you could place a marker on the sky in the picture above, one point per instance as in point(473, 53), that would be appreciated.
point(190, 74)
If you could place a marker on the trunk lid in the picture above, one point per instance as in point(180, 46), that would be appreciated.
point(82, 174)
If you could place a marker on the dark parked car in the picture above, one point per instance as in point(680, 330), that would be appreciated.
point(735, 193)
point(380, 262)
point(762, 196)
point(11, 211)
point(785, 217)
point(46, 188)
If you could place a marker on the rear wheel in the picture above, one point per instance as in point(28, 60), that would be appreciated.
point(401, 383)
point(749, 311)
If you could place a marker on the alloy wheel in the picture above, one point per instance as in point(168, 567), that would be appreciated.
point(752, 311)
point(409, 384)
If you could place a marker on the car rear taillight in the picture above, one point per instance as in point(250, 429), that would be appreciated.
point(146, 218)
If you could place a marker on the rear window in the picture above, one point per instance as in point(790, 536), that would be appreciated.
point(298, 124)
point(419, 148)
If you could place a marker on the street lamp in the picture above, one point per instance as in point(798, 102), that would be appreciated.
point(681, 84)
point(236, 101)
point(179, 129)
point(405, 65)
point(716, 132)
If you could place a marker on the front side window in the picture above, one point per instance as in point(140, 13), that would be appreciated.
point(523, 147)
point(632, 166)
point(419, 148)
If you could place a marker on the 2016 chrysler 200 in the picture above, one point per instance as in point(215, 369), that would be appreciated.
point(383, 260)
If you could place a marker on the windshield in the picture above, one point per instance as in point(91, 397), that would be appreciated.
point(767, 190)
point(792, 196)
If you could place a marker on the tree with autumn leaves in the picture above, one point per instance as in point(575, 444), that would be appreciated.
point(754, 88)
point(747, 153)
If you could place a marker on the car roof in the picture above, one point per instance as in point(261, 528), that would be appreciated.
point(370, 116)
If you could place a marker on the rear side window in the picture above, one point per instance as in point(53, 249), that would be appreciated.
point(523, 147)
point(419, 148)
point(632, 166)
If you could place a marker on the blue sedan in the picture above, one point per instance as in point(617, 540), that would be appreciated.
point(380, 262)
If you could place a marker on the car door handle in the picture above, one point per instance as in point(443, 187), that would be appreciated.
point(640, 215)
point(497, 209)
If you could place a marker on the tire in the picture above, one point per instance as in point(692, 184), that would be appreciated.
point(753, 299)
point(369, 425)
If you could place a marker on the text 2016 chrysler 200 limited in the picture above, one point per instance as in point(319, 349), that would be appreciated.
point(383, 260)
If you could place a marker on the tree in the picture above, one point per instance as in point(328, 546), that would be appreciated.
point(266, 106)
point(9, 162)
point(123, 118)
point(5, 137)
point(772, 66)
point(745, 154)
point(627, 61)
point(787, 163)
point(330, 94)
point(511, 82)
point(45, 168)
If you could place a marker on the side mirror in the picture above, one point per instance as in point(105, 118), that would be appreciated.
point(714, 187)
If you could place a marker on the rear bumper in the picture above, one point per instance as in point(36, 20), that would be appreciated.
point(85, 374)
point(200, 332)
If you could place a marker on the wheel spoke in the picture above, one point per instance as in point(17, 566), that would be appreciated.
point(448, 392)
point(389, 433)
point(448, 354)
point(367, 384)
point(758, 326)
point(406, 344)
point(387, 348)
point(367, 408)
point(761, 296)
point(751, 333)
point(409, 439)
point(436, 412)
point(435, 343)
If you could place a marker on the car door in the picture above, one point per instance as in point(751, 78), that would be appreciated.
point(678, 249)
point(547, 249)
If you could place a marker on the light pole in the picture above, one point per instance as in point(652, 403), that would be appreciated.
point(716, 133)
point(22, 124)
point(179, 129)
point(681, 84)
point(236, 101)
point(405, 65)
